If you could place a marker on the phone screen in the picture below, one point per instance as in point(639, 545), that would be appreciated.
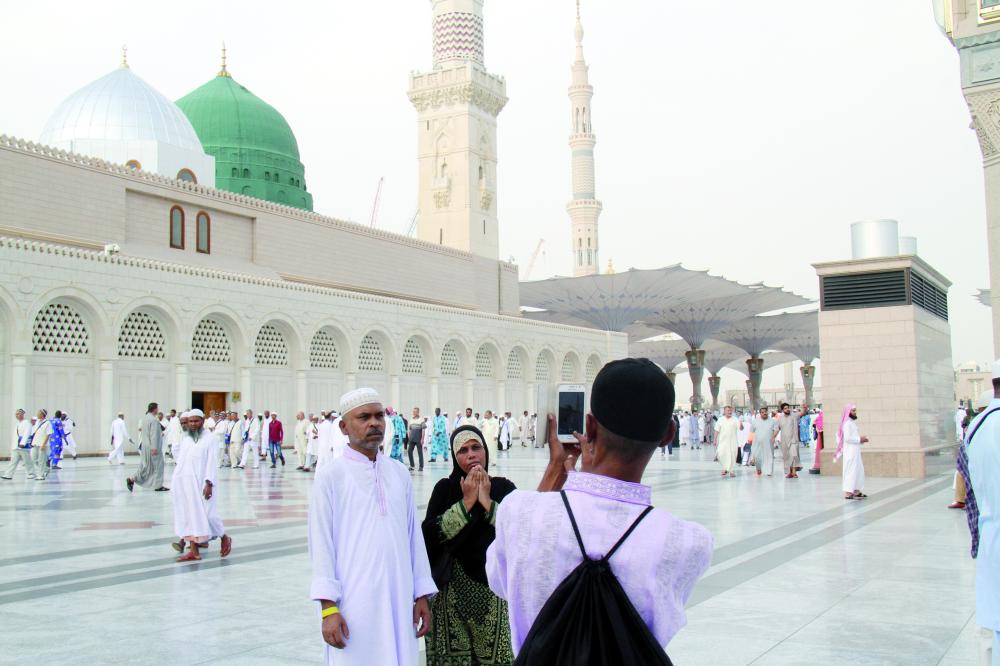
point(570, 412)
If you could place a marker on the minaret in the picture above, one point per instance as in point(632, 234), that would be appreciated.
point(584, 208)
point(457, 106)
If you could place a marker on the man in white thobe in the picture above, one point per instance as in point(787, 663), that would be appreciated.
point(19, 451)
point(119, 435)
point(301, 438)
point(265, 434)
point(490, 428)
point(192, 491)
point(504, 436)
point(726, 433)
point(250, 433)
point(370, 571)
point(69, 443)
point(979, 465)
point(174, 434)
point(959, 417)
point(312, 443)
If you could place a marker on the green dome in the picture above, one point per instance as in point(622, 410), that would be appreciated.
point(254, 148)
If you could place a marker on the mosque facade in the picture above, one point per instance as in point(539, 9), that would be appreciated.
point(165, 252)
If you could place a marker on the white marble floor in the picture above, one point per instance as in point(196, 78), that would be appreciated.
point(799, 575)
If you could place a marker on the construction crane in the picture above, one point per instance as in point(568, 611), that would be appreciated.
point(534, 258)
point(413, 223)
point(378, 198)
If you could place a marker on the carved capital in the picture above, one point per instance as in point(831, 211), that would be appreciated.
point(985, 109)
point(464, 93)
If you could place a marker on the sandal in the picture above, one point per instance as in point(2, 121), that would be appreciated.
point(189, 556)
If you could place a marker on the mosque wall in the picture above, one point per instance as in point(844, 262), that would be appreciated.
point(50, 195)
point(96, 334)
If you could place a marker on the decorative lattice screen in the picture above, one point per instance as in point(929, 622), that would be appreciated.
point(270, 348)
point(542, 368)
point(211, 342)
point(484, 366)
point(413, 358)
point(568, 369)
point(370, 356)
point(59, 329)
point(141, 337)
point(323, 351)
point(514, 369)
point(593, 367)
point(450, 367)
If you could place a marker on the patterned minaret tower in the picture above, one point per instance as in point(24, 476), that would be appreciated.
point(584, 208)
point(457, 106)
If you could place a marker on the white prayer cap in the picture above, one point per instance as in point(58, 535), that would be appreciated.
point(184, 415)
point(996, 369)
point(358, 398)
point(196, 412)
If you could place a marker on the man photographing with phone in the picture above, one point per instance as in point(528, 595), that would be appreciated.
point(537, 559)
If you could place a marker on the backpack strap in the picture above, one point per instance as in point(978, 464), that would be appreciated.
point(635, 524)
point(969, 437)
point(572, 520)
point(579, 539)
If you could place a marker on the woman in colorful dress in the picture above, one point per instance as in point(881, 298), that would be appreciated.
point(398, 435)
point(470, 624)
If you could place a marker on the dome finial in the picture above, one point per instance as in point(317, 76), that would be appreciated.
point(124, 57)
point(224, 71)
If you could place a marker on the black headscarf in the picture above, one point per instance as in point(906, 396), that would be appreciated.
point(468, 547)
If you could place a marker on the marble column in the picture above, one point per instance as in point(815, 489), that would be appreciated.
point(714, 384)
point(106, 397)
point(755, 366)
point(182, 387)
point(394, 391)
point(531, 399)
point(808, 375)
point(750, 402)
point(246, 390)
point(19, 382)
point(350, 382)
point(301, 391)
point(435, 394)
point(469, 395)
point(696, 369)
point(501, 401)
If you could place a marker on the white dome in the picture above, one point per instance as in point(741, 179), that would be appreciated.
point(119, 107)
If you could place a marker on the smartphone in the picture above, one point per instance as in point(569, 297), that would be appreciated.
point(570, 418)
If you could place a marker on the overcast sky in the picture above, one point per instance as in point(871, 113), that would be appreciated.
point(734, 136)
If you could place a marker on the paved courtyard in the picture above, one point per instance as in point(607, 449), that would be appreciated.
point(799, 575)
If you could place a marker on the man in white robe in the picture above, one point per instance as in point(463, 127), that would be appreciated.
point(491, 432)
point(726, 433)
point(69, 443)
point(265, 434)
point(192, 491)
point(174, 434)
point(312, 448)
point(250, 433)
point(19, 448)
point(504, 437)
point(370, 571)
point(301, 438)
point(119, 435)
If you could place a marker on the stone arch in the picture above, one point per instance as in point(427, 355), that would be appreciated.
point(461, 357)
point(267, 348)
point(594, 365)
point(341, 338)
point(385, 345)
point(545, 366)
point(136, 334)
point(417, 342)
point(327, 350)
point(570, 367)
point(488, 362)
point(10, 316)
point(88, 308)
point(239, 337)
point(517, 366)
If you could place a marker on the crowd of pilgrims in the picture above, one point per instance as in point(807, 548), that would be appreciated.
point(490, 571)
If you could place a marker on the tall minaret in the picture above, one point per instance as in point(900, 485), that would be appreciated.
point(584, 208)
point(457, 106)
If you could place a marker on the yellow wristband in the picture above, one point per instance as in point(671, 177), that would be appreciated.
point(327, 612)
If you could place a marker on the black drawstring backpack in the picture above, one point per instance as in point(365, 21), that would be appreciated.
point(589, 620)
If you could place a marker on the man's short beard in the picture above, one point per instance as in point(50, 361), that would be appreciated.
point(364, 444)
